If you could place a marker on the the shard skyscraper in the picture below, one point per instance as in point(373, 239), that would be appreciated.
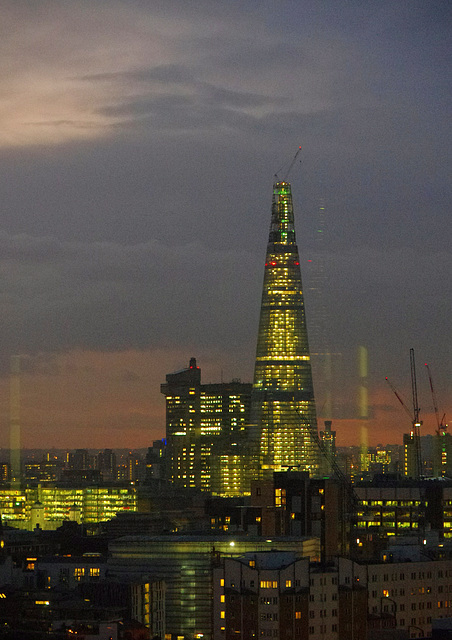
point(283, 408)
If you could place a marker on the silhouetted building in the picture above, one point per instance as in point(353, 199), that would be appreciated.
point(294, 504)
point(156, 461)
point(328, 442)
point(106, 463)
point(78, 460)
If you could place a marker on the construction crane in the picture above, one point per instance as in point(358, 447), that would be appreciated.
point(441, 426)
point(441, 453)
point(289, 169)
point(414, 415)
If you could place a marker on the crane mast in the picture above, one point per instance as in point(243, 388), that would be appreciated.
point(414, 416)
point(441, 426)
point(416, 411)
point(440, 459)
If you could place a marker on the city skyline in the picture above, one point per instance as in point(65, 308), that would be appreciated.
point(137, 147)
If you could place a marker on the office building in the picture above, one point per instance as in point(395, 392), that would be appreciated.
point(205, 425)
point(51, 505)
point(392, 509)
point(283, 416)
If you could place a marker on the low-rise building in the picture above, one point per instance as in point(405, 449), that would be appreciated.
point(279, 595)
point(52, 504)
point(184, 563)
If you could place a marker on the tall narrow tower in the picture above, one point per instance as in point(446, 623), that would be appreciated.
point(284, 424)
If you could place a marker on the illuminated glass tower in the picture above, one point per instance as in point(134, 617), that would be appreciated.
point(283, 408)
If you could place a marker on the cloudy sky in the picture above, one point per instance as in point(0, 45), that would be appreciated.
point(138, 145)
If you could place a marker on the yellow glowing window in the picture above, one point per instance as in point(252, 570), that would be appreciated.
point(222, 582)
point(79, 572)
point(288, 584)
point(223, 614)
point(222, 598)
point(94, 571)
point(298, 615)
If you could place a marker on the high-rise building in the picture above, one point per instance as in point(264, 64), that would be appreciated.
point(411, 444)
point(283, 417)
point(205, 425)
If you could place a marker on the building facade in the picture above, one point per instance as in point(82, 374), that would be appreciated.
point(294, 504)
point(205, 429)
point(410, 595)
point(279, 595)
point(386, 510)
point(284, 425)
point(50, 505)
point(185, 564)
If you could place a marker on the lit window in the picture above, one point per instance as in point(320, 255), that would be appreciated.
point(79, 572)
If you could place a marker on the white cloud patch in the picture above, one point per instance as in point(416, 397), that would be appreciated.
point(74, 71)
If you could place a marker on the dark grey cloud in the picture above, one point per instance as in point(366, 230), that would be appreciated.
point(137, 149)
point(61, 295)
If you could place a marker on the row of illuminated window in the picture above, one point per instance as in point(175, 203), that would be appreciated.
point(391, 503)
point(387, 524)
point(413, 575)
